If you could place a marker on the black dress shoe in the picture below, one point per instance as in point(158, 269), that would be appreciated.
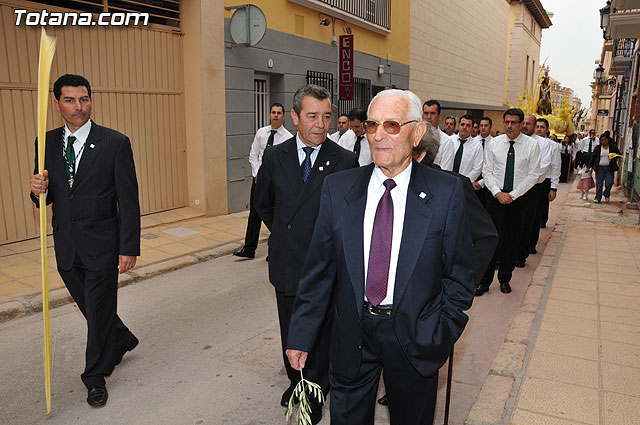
point(244, 253)
point(120, 351)
point(286, 396)
point(478, 292)
point(316, 412)
point(505, 288)
point(384, 400)
point(533, 251)
point(520, 264)
point(97, 396)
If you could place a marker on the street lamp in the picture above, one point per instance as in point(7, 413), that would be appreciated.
point(604, 20)
point(598, 73)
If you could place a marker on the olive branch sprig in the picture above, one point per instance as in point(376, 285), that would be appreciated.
point(304, 410)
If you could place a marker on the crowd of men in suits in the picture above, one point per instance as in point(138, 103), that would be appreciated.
point(319, 256)
point(373, 256)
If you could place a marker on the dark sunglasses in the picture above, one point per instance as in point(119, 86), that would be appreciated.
point(390, 126)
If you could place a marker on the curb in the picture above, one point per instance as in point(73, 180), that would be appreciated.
point(31, 304)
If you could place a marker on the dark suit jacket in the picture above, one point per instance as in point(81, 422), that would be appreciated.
point(434, 278)
point(484, 235)
point(289, 207)
point(99, 217)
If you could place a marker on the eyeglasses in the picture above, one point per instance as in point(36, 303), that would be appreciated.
point(390, 126)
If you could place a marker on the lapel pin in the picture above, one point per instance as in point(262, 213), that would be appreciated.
point(320, 168)
point(423, 195)
point(92, 146)
point(328, 162)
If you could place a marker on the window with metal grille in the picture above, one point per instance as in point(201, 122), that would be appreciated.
point(322, 79)
point(162, 12)
point(361, 96)
point(261, 103)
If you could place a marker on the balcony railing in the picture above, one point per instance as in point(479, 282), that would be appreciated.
point(624, 47)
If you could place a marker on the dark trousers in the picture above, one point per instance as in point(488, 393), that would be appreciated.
point(412, 397)
point(579, 160)
point(482, 195)
point(316, 368)
point(531, 227)
point(96, 294)
point(565, 159)
point(509, 221)
point(253, 224)
point(543, 209)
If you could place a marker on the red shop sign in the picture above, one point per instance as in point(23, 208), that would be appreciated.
point(346, 67)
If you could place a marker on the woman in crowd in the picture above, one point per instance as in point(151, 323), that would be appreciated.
point(603, 166)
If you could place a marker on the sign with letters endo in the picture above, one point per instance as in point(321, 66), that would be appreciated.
point(346, 67)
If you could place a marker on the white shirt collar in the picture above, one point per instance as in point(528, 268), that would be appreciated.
point(301, 145)
point(81, 134)
point(402, 179)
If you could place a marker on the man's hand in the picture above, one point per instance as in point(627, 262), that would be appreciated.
point(126, 263)
point(476, 186)
point(297, 359)
point(552, 195)
point(504, 198)
point(40, 183)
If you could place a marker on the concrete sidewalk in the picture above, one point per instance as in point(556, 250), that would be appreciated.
point(572, 354)
point(169, 240)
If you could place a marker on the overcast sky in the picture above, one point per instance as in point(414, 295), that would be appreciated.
point(573, 43)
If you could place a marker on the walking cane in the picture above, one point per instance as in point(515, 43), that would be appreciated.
point(447, 402)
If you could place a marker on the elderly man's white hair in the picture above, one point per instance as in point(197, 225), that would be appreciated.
point(414, 112)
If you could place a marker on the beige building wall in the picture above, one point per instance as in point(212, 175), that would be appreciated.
point(458, 50)
point(523, 58)
point(203, 25)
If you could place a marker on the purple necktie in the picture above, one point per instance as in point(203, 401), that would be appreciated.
point(380, 252)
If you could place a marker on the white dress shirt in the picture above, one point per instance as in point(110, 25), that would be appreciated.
point(81, 135)
point(526, 167)
point(260, 144)
point(348, 141)
point(585, 144)
point(549, 160)
point(445, 155)
point(486, 139)
point(472, 157)
point(335, 136)
point(399, 196)
point(302, 155)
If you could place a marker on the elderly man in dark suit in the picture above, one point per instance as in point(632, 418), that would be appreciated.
point(287, 199)
point(392, 241)
point(90, 179)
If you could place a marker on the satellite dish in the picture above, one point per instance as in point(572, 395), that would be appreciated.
point(248, 25)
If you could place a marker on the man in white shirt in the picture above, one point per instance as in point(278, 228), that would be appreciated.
point(343, 126)
point(475, 129)
point(353, 139)
point(510, 169)
point(265, 137)
point(484, 136)
point(544, 190)
point(431, 113)
point(588, 145)
point(468, 151)
point(450, 125)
